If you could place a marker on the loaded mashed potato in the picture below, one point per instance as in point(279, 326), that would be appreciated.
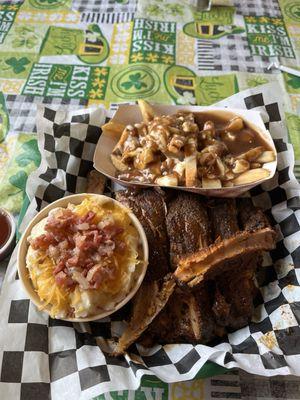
point(82, 258)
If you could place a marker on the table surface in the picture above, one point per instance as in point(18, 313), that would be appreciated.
point(83, 53)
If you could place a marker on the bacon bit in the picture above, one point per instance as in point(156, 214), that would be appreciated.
point(98, 274)
point(87, 217)
point(63, 245)
point(60, 220)
point(92, 272)
point(77, 244)
point(62, 279)
point(84, 272)
point(42, 242)
point(60, 266)
point(73, 261)
point(112, 230)
point(71, 241)
point(53, 251)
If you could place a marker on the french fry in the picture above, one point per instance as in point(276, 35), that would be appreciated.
point(255, 165)
point(118, 131)
point(266, 156)
point(146, 110)
point(190, 170)
point(167, 180)
point(252, 175)
point(179, 169)
point(240, 166)
point(190, 152)
point(252, 154)
point(228, 176)
point(143, 157)
point(118, 164)
point(121, 141)
point(113, 127)
point(235, 124)
point(211, 183)
point(228, 184)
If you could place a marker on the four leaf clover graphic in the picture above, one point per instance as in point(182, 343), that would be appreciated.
point(24, 30)
point(28, 42)
point(17, 64)
point(25, 37)
point(175, 9)
point(256, 81)
point(154, 10)
point(136, 81)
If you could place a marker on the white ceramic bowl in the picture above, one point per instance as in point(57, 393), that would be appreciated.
point(77, 199)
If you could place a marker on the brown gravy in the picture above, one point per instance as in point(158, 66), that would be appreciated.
point(199, 149)
point(5, 229)
point(246, 139)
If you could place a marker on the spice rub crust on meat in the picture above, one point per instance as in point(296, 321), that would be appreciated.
point(150, 208)
point(215, 249)
point(187, 225)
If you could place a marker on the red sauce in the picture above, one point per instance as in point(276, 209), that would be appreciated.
point(5, 229)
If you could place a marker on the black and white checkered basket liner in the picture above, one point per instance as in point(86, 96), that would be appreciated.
point(39, 355)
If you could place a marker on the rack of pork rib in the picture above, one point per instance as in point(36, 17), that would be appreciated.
point(203, 256)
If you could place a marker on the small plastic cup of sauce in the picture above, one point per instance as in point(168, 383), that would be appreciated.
point(7, 233)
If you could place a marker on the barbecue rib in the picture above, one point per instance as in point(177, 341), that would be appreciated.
point(150, 208)
point(184, 318)
point(234, 293)
point(215, 246)
point(187, 317)
point(251, 218)
point(215, 307)
point(213, 260)
point(231, 242)
point(187, 225)
point(223, 216)
point(150, 299)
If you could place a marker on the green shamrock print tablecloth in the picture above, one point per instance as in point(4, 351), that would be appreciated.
point(106, 52)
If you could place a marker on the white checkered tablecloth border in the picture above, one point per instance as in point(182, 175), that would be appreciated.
point(269, 8)
point(22, 109)
point(105, 6)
